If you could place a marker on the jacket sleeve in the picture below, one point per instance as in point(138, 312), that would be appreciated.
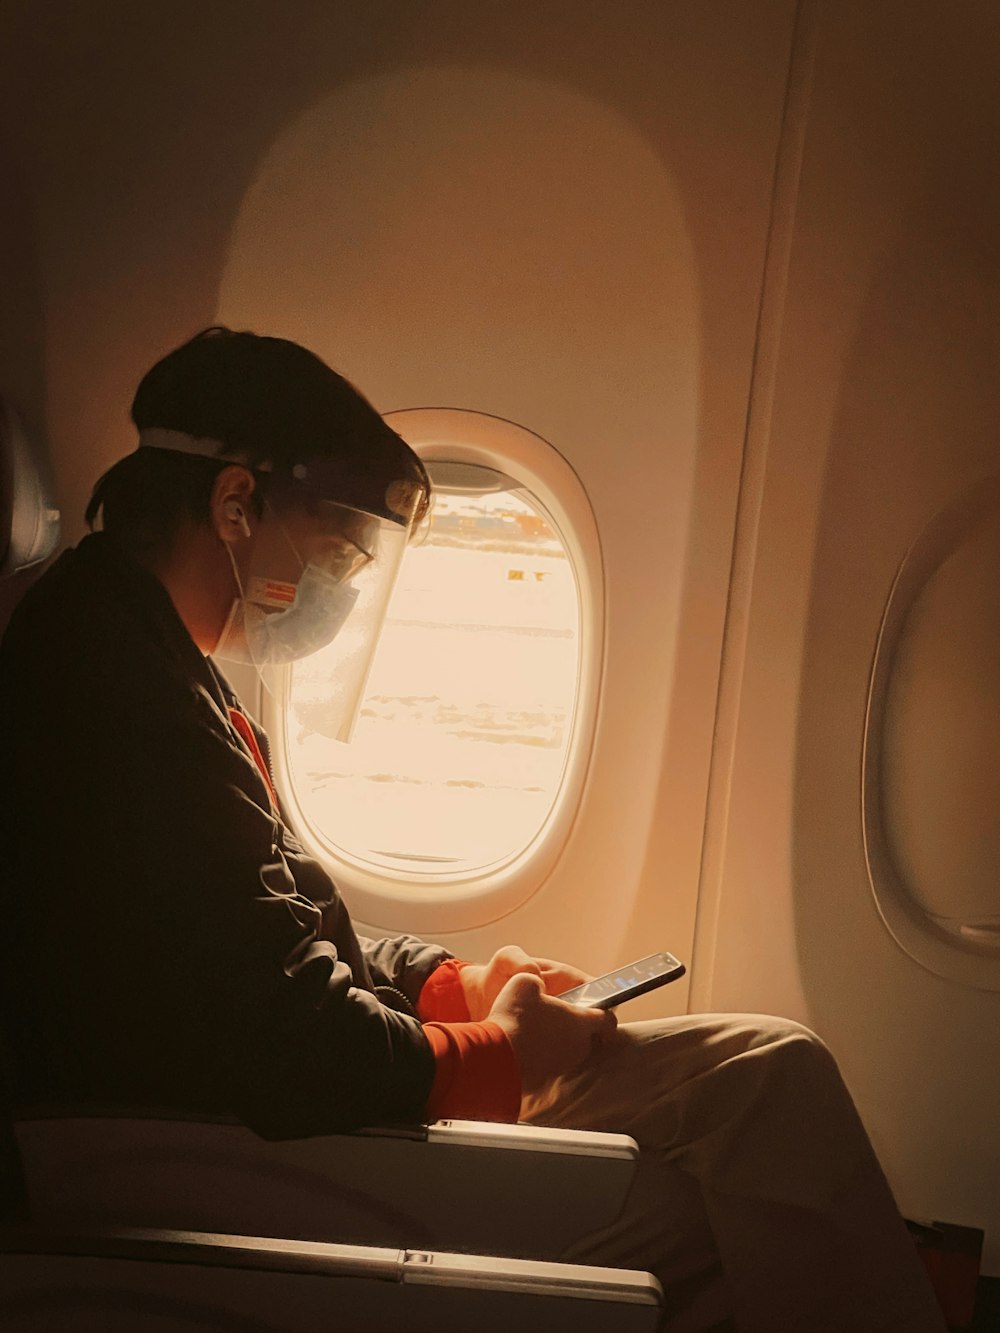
point(403, 962)
point(304, 1044)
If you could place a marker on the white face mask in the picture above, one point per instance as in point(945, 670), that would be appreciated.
point(275, 621)
point(319, 608)
point(306, 617)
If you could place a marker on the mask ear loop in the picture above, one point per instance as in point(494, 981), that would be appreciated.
point(238, 606)
point(240, 603)
point(236, 573)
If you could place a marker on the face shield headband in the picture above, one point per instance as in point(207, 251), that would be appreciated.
point(317, 578)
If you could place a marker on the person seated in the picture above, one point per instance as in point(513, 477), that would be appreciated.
point(168, 941)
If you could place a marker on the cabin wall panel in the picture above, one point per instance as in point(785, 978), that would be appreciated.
point(885, 410)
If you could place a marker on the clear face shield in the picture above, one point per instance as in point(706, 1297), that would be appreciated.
point(318, 580)
point(318, 570)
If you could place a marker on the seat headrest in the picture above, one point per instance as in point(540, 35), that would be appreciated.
point(29, 517)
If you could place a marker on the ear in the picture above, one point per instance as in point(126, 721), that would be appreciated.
point(230, 508)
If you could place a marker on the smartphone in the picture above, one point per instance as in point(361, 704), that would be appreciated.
point(626, 982)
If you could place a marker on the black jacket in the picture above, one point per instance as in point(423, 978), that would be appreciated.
point(163, 937)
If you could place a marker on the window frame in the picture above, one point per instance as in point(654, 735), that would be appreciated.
point(958, 952)
point(465, 899)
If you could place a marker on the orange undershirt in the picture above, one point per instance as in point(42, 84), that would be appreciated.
point(476, 1075)
point(242, 724)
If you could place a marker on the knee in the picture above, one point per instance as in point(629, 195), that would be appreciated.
point(792, 1048)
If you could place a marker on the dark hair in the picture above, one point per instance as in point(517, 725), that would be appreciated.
point(143, 499)
point(270, 403)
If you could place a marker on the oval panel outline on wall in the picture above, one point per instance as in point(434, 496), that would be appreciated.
point(967, 952)
point(466, 900)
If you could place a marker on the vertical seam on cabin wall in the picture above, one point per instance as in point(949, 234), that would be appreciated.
point(750, 494)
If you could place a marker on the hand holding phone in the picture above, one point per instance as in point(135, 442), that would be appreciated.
point(625, 983)
point(548, 1038)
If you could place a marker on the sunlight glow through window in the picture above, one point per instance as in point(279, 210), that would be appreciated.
point(461, 743)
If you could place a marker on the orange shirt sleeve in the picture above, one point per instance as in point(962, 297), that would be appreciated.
point(442, 998)
point(476, 1075)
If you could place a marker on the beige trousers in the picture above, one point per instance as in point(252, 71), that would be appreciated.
point(758, 1201)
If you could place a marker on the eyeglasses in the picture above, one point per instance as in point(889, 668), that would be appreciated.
point(341, 557)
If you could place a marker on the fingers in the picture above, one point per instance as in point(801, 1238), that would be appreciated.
point(524, 987)
point(549, 1037)
point(552, 965)
point(483, 982)
point(512, 959)
point(602, 1021)
point(560, 977)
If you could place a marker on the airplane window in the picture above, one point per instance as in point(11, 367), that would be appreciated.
point(461, 743)
point(932, 736)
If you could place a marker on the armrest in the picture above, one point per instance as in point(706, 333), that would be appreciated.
point(455, 1185)
point(116, 1281)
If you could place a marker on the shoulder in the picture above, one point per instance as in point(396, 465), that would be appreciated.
point(98, 629)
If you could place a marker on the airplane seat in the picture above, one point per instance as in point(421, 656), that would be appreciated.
point(29, 518)
point(57, 1274)
point(516, 1190)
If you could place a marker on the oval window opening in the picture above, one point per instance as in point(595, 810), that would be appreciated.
point(461, 744)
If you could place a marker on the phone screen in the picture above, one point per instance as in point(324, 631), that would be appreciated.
point(626, 982)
